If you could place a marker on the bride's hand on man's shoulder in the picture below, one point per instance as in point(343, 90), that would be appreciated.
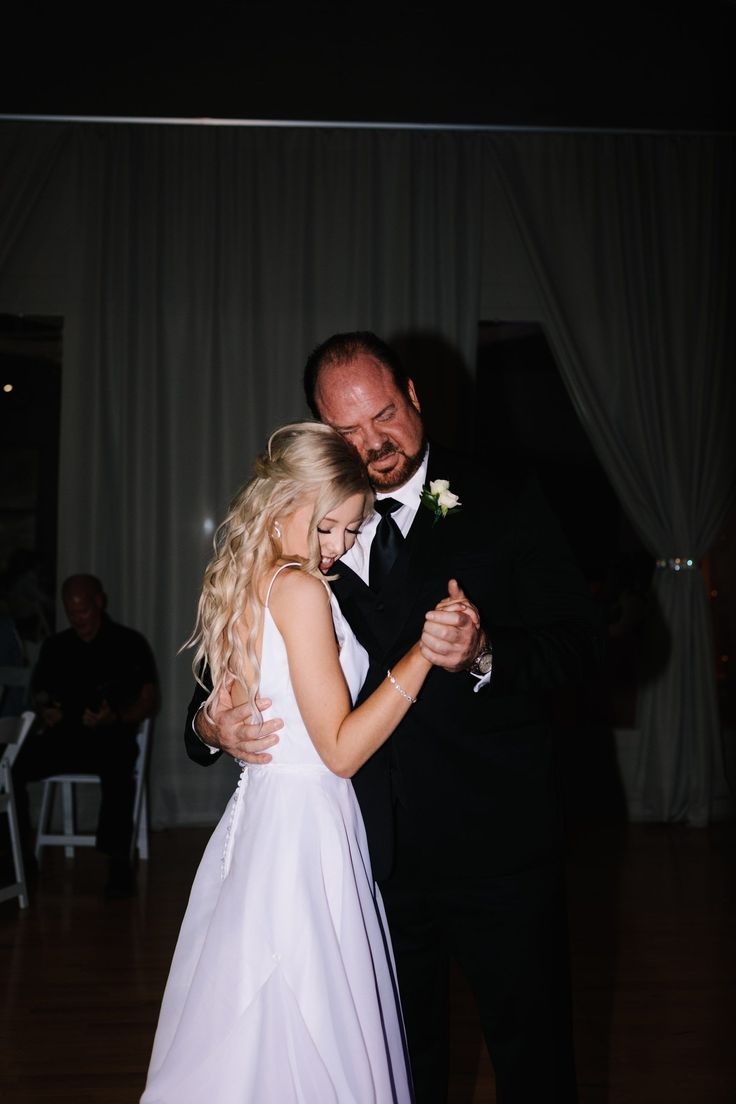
point(234, 730)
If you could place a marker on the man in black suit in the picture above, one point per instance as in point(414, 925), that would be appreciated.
point(461, 806)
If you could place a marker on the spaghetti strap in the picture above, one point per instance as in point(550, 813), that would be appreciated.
point(273, 579)
point(279, 570)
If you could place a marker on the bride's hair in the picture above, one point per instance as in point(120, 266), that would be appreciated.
point(303, 461)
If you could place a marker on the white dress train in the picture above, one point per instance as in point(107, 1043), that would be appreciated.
point(282, 987)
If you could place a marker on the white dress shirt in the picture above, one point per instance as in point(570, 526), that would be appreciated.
point(358, 559)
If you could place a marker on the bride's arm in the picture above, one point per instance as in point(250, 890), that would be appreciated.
point(344, 738)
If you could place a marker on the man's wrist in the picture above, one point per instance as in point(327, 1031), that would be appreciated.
point(482, 664)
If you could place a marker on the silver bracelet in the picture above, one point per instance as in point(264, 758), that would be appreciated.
point(400, 688)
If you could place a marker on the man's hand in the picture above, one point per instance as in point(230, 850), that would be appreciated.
point(232, 731)
point(98, 718)
point(452, 635)
point(51, 715)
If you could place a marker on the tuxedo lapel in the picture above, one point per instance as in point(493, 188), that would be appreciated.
point(378, 618)
point(406, 581)
point(429, 539)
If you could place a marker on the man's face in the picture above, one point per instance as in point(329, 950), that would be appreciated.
point(84, 610)
point(362, 402)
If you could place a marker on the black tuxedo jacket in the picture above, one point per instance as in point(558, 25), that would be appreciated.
point(474, 772)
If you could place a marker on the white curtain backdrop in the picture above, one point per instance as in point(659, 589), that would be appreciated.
point(630, 241)
point(210, 262)
point(202, 264)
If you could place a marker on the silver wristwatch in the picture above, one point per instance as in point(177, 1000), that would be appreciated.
point(483, 663)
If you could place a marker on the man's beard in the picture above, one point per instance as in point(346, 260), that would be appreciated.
point(400, 474)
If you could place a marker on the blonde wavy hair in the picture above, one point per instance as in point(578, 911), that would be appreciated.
point(303, 460)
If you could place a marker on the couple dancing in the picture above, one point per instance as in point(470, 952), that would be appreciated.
point(283, 985)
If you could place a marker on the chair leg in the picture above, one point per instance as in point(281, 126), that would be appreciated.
point(20, 873)
point(67, 798)
point(142, 834)
point(43, 817)
point(8, 806)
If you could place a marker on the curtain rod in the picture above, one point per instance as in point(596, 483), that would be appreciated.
point(307, 124)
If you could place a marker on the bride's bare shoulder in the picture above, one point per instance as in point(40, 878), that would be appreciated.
point(296, 593)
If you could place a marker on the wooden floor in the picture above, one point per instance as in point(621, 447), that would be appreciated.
point(653, 928)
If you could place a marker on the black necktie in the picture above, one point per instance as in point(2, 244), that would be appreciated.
point(386, 542)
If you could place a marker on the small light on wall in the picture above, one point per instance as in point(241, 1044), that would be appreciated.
point(7, 388)
point(208, 526)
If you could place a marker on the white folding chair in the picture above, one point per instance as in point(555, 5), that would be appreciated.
point(13, 731)
point(14, 682)
point(69, 838)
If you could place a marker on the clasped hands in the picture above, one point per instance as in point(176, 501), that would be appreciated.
point(52, 715)
point(98, 718)
point(451, 639)
point(452, 635)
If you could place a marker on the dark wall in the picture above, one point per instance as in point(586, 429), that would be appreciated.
point(646, 65)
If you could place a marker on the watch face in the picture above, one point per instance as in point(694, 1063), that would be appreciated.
point(484, 662)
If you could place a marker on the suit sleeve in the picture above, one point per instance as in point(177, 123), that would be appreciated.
point(196, 749)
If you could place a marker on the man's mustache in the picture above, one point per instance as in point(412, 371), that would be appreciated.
point(386, 449)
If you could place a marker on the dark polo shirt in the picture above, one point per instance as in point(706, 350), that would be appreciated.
point(82, 674)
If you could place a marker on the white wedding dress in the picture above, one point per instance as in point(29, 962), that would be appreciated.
point(282, 988)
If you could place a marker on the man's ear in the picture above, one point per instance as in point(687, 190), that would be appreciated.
point(411, 392)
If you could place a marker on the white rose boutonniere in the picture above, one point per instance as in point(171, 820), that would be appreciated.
point(440, 499)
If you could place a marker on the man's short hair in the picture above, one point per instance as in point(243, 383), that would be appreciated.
point(89, 583)
point(341, 348)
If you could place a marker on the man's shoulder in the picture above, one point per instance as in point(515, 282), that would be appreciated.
point(478, 482)
point(125, 637)
point(117, 629)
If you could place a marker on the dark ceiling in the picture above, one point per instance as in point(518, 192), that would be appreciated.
point(642, 66)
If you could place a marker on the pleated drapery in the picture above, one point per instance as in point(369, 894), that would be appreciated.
point(630, 242)
point(200, 265)
point(210, 263)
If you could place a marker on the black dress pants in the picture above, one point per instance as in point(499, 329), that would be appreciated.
point(508, 935)
point(109, 751)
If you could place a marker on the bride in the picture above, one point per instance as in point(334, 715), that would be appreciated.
point(282, 988)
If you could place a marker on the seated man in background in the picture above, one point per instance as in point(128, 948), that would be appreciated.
point(92, 686)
